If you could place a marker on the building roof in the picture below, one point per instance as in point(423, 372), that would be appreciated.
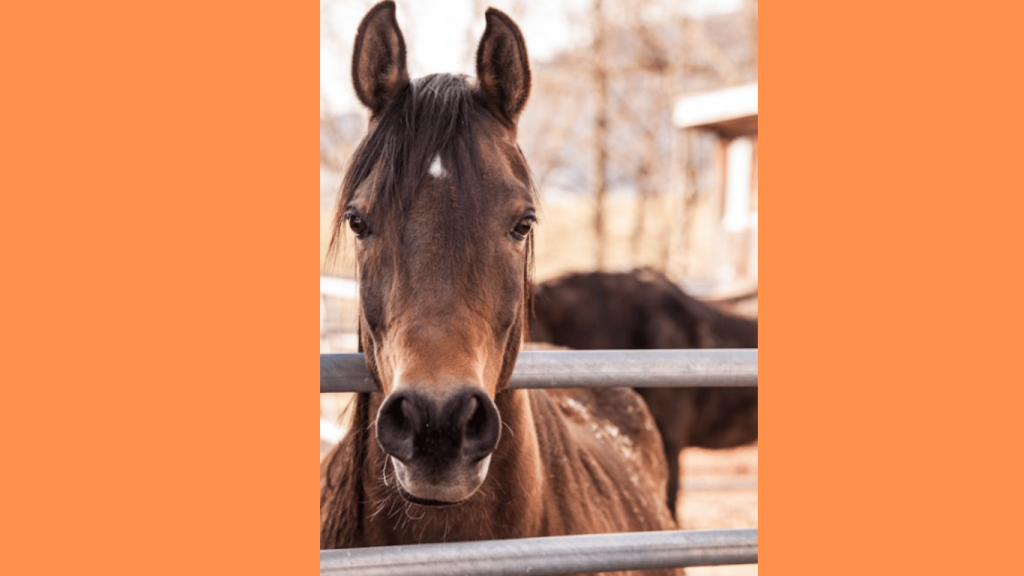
point(731, 112)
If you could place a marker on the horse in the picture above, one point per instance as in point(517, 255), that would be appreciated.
point(644, 310)
point(442, 206)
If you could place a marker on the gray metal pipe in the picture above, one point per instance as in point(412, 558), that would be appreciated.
point(589, 369)
point(550, 556)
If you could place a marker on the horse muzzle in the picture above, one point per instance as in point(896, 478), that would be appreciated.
point(441, 451)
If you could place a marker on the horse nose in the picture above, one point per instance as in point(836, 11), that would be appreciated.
point(411, 426)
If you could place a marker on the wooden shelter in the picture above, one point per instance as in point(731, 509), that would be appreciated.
point(731, 116)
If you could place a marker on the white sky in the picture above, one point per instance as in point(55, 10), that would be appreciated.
point(442, 34)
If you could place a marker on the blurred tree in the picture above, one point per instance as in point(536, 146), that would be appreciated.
point(599, 73)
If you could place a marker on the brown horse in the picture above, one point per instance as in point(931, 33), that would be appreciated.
point(442, 206)
point(645, 310)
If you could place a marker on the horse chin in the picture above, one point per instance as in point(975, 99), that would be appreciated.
point(459, 487)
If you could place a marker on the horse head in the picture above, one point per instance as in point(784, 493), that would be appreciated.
point(441, 204)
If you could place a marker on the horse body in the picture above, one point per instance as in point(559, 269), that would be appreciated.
point(645, 310)
point(442, 206)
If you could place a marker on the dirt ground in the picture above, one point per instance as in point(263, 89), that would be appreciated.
point(719, 491)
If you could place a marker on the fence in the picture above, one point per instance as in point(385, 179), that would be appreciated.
point(573, 554)
point(576, 369)
point(549, 556)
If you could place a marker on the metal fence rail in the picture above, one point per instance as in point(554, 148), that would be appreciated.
point(591, 369)
point(549, 556)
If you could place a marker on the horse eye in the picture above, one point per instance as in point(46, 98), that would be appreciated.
point(523, 229)
point(358, 226)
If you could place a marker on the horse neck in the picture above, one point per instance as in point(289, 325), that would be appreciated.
point(506, 506)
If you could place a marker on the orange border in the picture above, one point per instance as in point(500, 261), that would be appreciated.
point(890, 292)
point(159, 189)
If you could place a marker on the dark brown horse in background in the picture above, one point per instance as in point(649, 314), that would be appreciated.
point(442, 206)
point(644, 310)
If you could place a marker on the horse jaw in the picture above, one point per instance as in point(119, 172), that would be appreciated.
point(458, 485)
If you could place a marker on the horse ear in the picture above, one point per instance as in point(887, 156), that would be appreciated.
point(378, 62)
point(503, 67)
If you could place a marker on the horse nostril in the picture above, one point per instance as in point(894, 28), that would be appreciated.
point(475, 423)
point(481, 427)
point(398, 422)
